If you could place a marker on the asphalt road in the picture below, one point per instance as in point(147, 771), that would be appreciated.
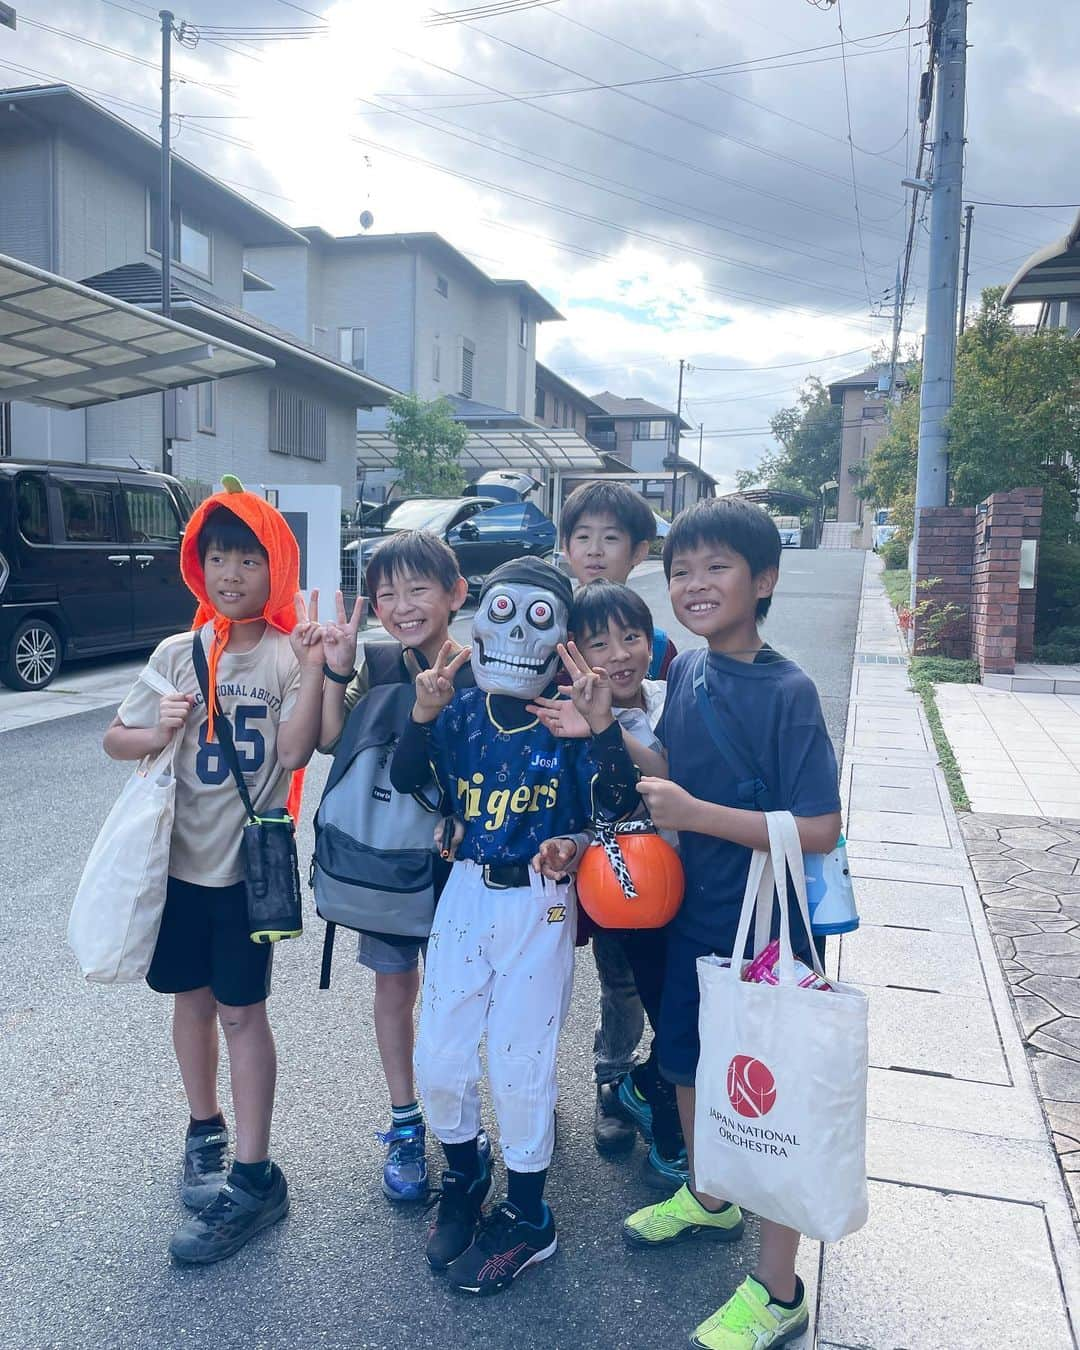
point(92, 1114)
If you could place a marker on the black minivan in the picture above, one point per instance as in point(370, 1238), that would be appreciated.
point(89, 564)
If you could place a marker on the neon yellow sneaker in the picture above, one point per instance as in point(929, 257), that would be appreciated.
point(749, 1321)
point(680, 1216)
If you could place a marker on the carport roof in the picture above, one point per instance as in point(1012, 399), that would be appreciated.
point(561, 450)
point(66, 345)
point(1053, 273)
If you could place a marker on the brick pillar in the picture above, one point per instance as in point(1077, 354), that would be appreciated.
point(945, 552)
point(1003, 616)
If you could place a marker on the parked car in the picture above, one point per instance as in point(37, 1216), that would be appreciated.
point(508, 485)
point(482, 531)
point(790, 528)
point(89, 564)
point(881, 531)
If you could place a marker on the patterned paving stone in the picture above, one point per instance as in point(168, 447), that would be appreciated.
point(1063, 993)
point(1054, 882)
point(1015, 899)
point(1065, 1119)
point(998, 869)
point(1046, 1040)
point(1069, 850)
point(1048, 944)
point(1034, 1012)
point(1035, 838)
point(1058, 1078)
point(1042, 860)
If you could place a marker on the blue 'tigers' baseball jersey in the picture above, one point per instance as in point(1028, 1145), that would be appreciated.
point(512, 788)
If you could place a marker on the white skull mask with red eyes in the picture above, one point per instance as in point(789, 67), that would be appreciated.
point(514, 636)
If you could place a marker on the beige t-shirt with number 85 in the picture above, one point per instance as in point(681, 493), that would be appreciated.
point(257, 691)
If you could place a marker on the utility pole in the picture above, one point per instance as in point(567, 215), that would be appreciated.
point(678, 437)
point(165, 240)
point(897, 320)
point(949, 22)
point(700, 439)
point(969, 212)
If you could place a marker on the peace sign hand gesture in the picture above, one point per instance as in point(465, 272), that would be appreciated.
point(590, 690)
point(435, 687)
point(306, 639)
point(339, 637)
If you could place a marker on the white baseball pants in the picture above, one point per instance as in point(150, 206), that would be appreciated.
point(500, 963)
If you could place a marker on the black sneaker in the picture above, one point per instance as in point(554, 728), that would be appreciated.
point(460, 1204)
point(206, 1166)
point(231, 1219)
point(612, 1132)
point(504, 1247)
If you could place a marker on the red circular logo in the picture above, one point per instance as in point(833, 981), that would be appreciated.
point(750, 1086)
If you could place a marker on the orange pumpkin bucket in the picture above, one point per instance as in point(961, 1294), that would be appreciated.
point(630, 877)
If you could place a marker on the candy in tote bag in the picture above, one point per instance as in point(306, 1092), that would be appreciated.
point(780, 1120)
point(117, 911)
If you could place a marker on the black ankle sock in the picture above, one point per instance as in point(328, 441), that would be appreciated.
point(799, 1293)
point(207, 1126)
point(463, 1158)
point(253, 1177)
point(525, 1191)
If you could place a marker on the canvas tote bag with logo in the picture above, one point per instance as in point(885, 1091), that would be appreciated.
point(780, 1123)
point(114, 921)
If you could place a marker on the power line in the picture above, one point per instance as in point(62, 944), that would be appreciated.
point(1027, 206)
point(493, 11)
point(851, 152)
point(789, 365)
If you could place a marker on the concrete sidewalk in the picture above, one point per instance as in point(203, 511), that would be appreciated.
point(970, 1239)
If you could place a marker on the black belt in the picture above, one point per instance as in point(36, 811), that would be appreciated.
point(505, 876)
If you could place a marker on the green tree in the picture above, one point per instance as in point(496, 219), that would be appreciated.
point(429, 445)
point(809, 436)
point(889, 479)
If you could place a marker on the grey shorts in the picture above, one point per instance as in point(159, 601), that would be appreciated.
point(389, 958)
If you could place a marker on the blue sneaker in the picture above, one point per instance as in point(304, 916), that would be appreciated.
point(666, 1174)
point(405, 1176)
point(635, 1106)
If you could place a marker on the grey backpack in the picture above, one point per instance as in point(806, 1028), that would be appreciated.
point(373, 867)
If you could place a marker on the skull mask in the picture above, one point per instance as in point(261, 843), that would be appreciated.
point(521, 619)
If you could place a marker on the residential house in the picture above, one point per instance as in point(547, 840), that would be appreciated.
point(863, 403)
point(642, 435)
point(559, 404)
point(81, 199)
point(413, 312)
point(1051, 279)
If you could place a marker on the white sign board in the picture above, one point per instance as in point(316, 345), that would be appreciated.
point(313, 511)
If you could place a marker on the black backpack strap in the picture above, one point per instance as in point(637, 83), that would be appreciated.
point(327, 955)
point(752, 787)
point(222, 725)
point(384, 664)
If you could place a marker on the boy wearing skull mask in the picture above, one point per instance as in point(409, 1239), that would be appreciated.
point(501, 953)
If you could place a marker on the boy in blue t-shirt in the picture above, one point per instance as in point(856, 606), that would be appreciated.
point(722, 560)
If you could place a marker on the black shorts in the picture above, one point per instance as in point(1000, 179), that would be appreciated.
point(678, 1047)
point(204, 942)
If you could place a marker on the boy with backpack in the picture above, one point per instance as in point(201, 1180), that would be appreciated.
point(605, 530)
point(417, 589)
point(240, 560)
point(722, 560)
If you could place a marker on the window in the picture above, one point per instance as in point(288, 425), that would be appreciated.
point(206, 407)
point(523, 328)
point(352, 347)
point(436, 362)
point(656, 429)
point(502, 519)
point(567, 415)
point(539, 411)
point(32, 510)
point(151, 515)
point(556, 408)
point(442, 286)
point(190, 239)
point(297, 425)
point(468, 356)
point(89, 513)
point(320, 339)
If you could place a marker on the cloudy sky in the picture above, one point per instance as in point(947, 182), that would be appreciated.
point(699, 204)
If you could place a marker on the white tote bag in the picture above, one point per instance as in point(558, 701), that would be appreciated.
point(780, 1122)
point(117, 911)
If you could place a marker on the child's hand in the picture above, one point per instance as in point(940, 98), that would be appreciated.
point(555, 858)
point(560, 717)
point(590, 689)
point(173, 712)
point(306, 639)
point(435, 687)
point(339, 638)
point(446, 845)
point(670, 806)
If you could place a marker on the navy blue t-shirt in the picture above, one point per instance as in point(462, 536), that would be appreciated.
point(775, 705)
point(512, 788)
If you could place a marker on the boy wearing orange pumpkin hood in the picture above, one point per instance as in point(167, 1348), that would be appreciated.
point(265, 656)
